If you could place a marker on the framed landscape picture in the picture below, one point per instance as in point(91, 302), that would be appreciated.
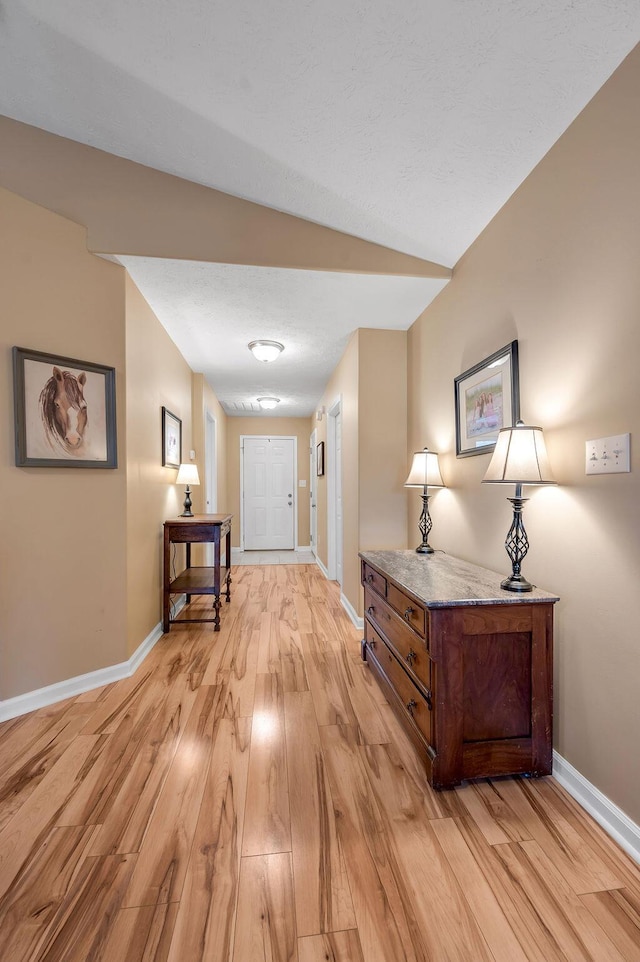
point(65, 411)
point(487, 398)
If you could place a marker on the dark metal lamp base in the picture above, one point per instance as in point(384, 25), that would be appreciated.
point(516, 583)
point(424, 549)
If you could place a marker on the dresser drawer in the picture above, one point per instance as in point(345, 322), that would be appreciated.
point(395, 629)
point(372, 579)
point(414, 702)
point(410, 651)
point(411, 612)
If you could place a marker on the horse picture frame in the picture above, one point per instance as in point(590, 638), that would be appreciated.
point(487, 398)
point(65, 412)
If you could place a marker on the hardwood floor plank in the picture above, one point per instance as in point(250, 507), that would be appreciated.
point(371, 727)
point(267, 824)
point(401, 788)
point(205, 922)
point(294, 674)
point(386, 933)
point(578, 863)
point(31, 903)
point(80, 928)
point(265, 922)
point(321, 888)
point(268, 651)
point(21, 838)
point(332, 947)
point(494, 817)
point(243, 671)
point(485, 907)
point(32, 764)
point(618, 914)
point(141, 934)
point(132, 806)
point(162, 863)
point(572, 927)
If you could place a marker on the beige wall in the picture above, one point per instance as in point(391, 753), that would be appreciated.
point(157, 375)
point(286, 427)
point(382, 438)
point(558, 269)
point(370, 382)
point(63, 546)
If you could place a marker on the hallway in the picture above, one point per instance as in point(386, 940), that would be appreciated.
point(249, 796)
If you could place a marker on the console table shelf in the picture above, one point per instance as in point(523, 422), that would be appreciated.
point(466, 666)
point(197, 580)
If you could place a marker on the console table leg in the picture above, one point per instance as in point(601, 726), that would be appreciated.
point(228, 583)
point(216, 607)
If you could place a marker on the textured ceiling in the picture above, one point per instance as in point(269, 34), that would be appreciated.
point(313, 321)
point(409, 124)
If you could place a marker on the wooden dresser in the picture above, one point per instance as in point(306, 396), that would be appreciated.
point(466, 666)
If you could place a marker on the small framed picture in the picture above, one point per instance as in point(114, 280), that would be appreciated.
point(171, 439)
point(487, 399)
point(320, 459)
point(65, 412)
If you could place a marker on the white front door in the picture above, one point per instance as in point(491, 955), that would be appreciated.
point(268, 493)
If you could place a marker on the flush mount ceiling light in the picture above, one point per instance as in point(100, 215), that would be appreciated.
point(268, 402)
point(265, 350)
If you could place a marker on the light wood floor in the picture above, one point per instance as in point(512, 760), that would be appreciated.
point(249, 796)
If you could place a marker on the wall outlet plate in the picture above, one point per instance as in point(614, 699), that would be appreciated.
point(608, 455)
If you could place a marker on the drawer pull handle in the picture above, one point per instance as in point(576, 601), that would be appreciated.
point(411, 657)
point(372, 643)
point(370, 610)
point(369, 578)
point(428, 700)
point(408, 612)
point(411, 706)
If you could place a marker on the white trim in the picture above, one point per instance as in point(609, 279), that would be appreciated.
point(613, 820)
point(322, 568)
point(351, 611)
point(42, 697)
point(304, 547)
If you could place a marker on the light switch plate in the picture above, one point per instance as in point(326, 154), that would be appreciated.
point(608, 455)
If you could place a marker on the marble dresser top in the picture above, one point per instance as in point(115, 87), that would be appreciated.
point(439, 580)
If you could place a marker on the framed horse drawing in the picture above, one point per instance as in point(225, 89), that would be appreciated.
point(65, 411)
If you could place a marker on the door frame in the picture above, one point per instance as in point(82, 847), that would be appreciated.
point(332, 481)
point(313, 492)
point(280, 437)
point(210, 472)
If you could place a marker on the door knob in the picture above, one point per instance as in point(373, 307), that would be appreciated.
point(289, 503)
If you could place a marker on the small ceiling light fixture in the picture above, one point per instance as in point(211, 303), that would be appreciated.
point(520, 457)
point(425, 474)
point(266, 350)
point(267, 403)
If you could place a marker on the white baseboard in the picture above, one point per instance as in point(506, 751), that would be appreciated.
point(351, 611)
point(42, 697)
point(322, 568)
point(612, 819)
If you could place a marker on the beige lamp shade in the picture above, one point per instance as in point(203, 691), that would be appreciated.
point(425, 471)
point(188, 474)
point(520, 457)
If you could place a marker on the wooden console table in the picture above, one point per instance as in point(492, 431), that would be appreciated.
point(201, 528)
point(466, 666)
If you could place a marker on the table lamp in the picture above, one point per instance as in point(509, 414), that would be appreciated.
point(520, 457)
point(425, 473)
point(187, 474)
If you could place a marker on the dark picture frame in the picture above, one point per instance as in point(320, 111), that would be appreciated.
point(487, 398)
point(171, 439)
point(320, 459)
point(65, 411)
